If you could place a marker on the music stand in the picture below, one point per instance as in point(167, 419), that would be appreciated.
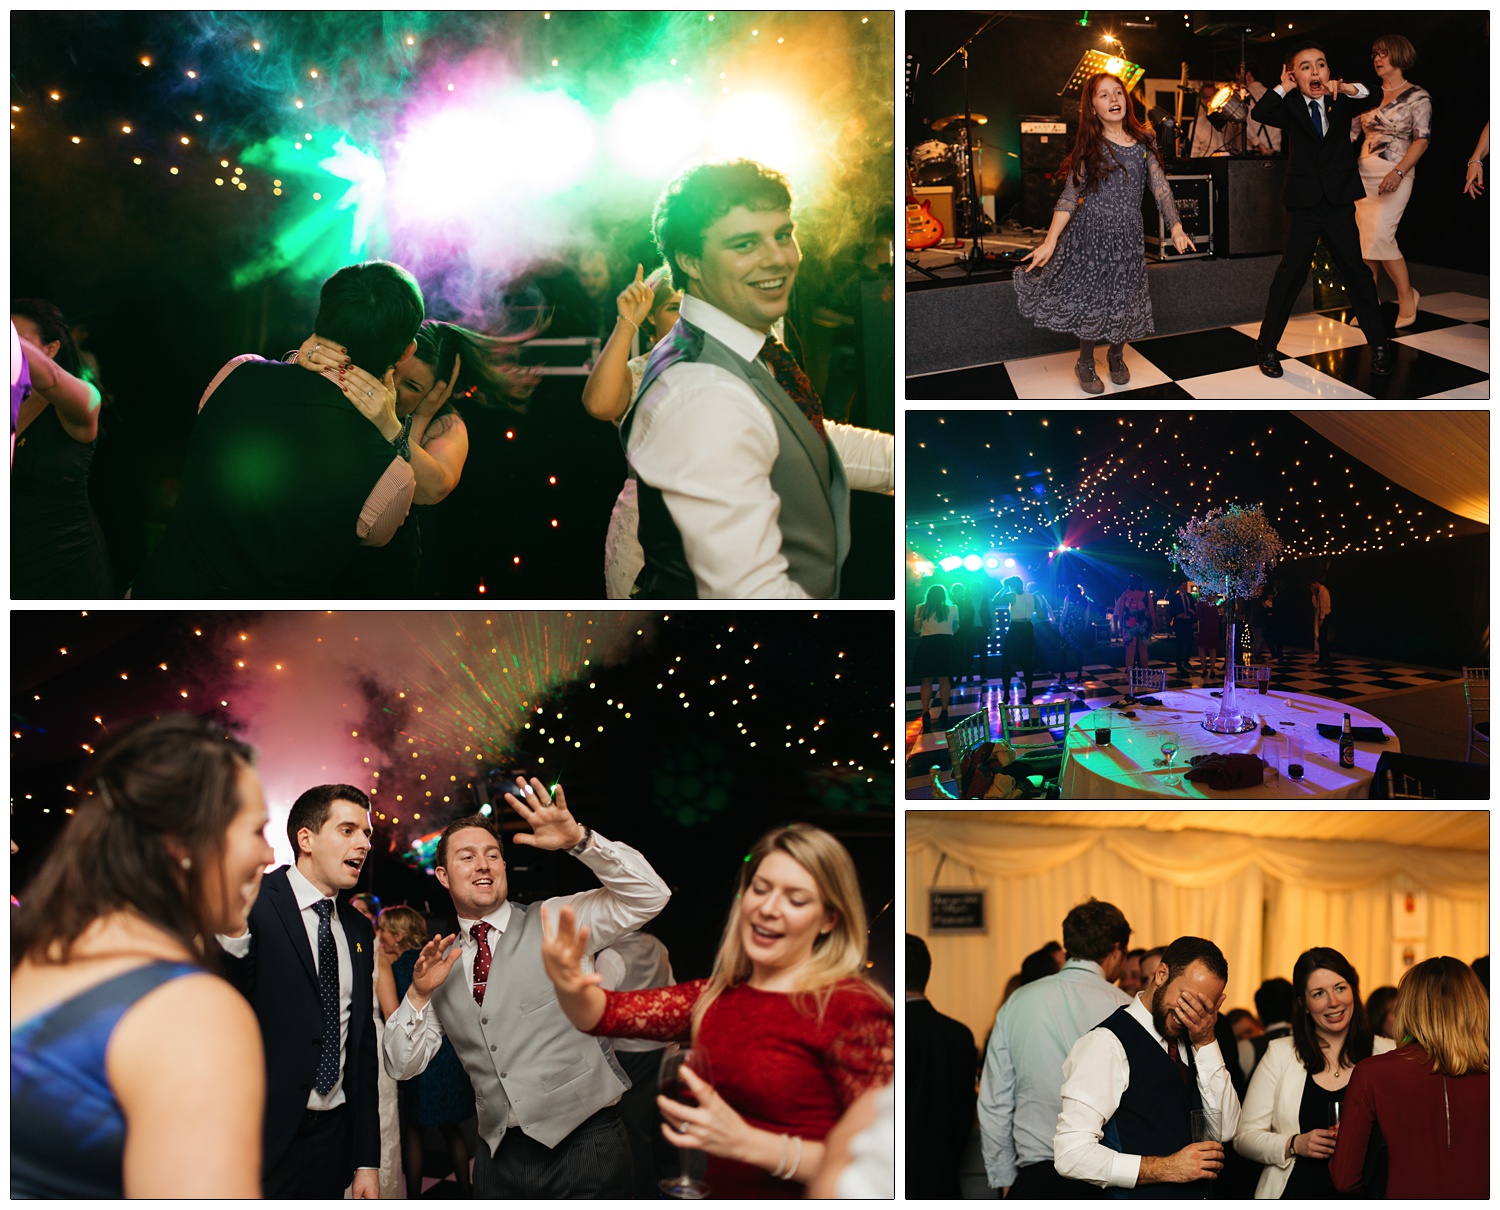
point(1095, 61)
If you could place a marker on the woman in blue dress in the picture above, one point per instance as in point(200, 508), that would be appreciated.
point(1092, 284)
point(134, 1071)
point(441, 1095)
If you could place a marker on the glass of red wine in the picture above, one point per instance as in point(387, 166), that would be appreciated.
point(671, 1085)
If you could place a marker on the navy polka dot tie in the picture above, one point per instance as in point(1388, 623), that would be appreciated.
point(328, 993)
point(481, 934)
point(792, 380)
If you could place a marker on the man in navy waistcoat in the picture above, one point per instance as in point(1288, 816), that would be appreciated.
point(1133, 1085)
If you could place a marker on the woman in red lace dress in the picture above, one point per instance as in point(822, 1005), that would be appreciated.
point(794, 1030)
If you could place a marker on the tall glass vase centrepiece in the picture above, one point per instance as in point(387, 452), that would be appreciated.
point(1229, 550)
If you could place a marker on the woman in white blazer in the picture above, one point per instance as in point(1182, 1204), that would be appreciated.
point(1285, 1120)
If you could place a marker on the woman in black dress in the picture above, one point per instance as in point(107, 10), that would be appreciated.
point(56, 547)
point(1093, 283)
point(449, 362)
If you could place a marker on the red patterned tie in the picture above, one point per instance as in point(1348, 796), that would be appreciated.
point(480, 933)
point(1183, 1070)
point(794, 382)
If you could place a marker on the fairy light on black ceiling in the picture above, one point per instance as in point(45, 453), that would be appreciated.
point(997, 480)
point(687, 718)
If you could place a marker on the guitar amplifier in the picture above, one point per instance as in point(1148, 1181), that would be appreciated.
point(1044, 142)
point(1194, 196)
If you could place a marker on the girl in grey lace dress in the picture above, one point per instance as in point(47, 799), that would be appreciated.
point(1092, 284)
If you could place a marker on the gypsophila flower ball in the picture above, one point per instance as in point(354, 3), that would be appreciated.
point(1228, 549)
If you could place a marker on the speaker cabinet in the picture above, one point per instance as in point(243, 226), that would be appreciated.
point(1044, 142)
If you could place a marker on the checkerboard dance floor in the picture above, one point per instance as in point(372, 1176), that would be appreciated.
point(1443, 355)
point(1103, 684)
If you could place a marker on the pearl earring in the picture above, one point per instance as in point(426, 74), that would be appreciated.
point(186, 863)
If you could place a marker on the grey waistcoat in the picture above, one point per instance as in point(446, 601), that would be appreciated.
point(519, 1049)
point(807, 475)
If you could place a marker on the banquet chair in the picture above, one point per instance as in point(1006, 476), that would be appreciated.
point(1250, 676)
point(1147, 680)
point(963, 737)
point(1401, 775)
point(1033, 725)
point(1477, 700)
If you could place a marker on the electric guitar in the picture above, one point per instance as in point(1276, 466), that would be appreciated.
point(922, 229)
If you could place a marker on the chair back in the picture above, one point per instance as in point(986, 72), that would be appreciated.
point(1249, 676)
point(1036, 724)
point(1477, 702)
point(963, 737)
point(1146, 680)
point(1401, 775)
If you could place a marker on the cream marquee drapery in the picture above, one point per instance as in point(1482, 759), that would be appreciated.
point(1262, 899)
point(1441, 456)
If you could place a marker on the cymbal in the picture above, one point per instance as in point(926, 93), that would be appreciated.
point(944, 123)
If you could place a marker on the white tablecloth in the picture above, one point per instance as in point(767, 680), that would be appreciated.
point(1125, 769)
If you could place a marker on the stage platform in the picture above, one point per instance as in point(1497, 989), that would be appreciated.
point(954, 323)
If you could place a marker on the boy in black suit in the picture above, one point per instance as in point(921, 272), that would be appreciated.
point(306, 966)
point(1314, 113)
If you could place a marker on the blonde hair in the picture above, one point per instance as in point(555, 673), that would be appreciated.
point(837, 955)
point(1399, 50)
point(406, 924)
point(1442, 1005)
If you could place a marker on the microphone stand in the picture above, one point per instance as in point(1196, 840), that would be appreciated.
point(975, 255)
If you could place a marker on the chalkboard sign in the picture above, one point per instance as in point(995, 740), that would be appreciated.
point(955, 911)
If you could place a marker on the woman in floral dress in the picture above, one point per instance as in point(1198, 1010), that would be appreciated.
point(1396, 137)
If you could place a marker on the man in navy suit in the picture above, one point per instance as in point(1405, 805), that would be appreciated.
point(941, 1069)
point(1314, 113)
point(305, 965)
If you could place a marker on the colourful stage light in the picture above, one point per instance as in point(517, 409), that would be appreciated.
point(951, 563)
point(764, 127)
point(991, 563)
point(922, 568)
point(972, 563)
point(1010, 562)
point(654, 131)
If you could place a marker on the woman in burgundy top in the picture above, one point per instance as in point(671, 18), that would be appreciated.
point(794, 1030)
point(1431, 1097)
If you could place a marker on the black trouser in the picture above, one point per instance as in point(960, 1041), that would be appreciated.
point(317, 1162)
point(1041, 1182)
point(592, 1162)
point(1341, 237)
point(1018, 650)
point(1187, 645)
point(1323, 652)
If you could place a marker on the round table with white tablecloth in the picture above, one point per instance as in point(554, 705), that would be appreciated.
point(1129, 766)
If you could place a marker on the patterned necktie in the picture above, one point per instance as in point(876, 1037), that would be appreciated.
point(328, 992)
point(480, 933)
point(794, 382)
point(1316, 109)
point(1182, 1068)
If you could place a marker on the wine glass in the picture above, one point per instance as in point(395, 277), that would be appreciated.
point(1169, 744)
point(671, 1085)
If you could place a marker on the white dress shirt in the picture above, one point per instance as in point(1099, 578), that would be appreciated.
point(1096, 1074)
point(1360, 93)
point(413, 1036)
point(1020, 1093)
point(307, 895)
point(706, 441)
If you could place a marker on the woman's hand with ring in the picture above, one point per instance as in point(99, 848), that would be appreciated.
point(1391, 182)
point(710, 1126)
point(318, 355)
point(375, 399)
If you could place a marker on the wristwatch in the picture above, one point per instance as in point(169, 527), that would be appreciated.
point(401, 442)
point(577, 849)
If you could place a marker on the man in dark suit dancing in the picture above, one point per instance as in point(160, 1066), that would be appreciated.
point(305, 965)
point(941, 1066)
point(1313, 112)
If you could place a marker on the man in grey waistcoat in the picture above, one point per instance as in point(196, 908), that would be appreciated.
point(547, 1095)
point(743, 485)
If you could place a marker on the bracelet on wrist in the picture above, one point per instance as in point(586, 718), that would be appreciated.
point(785, 1144)
point(630, 321)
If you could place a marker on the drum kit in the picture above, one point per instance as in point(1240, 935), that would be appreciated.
point(946, 161)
